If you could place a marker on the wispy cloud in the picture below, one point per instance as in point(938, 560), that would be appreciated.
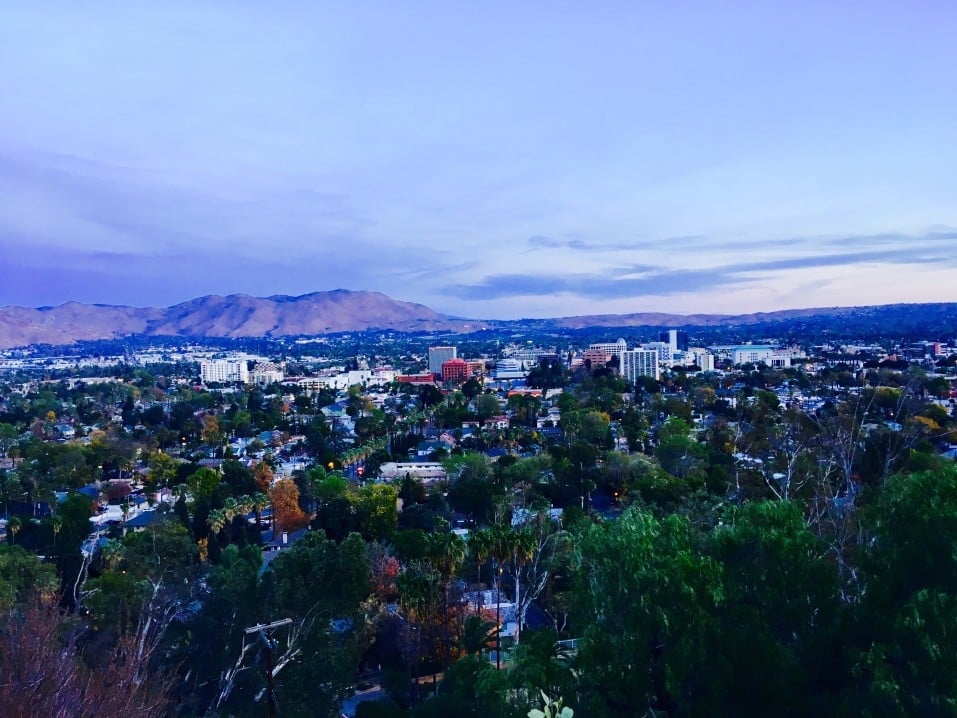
point(580, 244)
point(646, 280)
point(937, 234)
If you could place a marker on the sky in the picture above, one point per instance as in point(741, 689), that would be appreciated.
point(489, 159)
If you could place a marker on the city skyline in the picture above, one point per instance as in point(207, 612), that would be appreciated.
point(502, 161)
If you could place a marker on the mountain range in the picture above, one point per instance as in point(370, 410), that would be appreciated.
point(340, 310)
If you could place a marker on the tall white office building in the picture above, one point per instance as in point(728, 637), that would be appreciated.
point(639, 362)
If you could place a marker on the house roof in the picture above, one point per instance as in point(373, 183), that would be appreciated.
point(142, 519)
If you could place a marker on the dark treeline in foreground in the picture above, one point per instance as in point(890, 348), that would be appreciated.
point(744, 612)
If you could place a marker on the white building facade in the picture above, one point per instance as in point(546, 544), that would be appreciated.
point(639, 362)
point(223, 371)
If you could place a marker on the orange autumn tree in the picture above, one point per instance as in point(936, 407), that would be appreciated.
point(285, 506)
point(263, 475)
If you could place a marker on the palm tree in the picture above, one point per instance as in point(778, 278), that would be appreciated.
point(244, 505)
point(230, 508)
point(216, 521)
point(477, 635)
point(13, 526)
point(480, 543)
point(523, 546)
point(500, 539)
point(445, 551)
point(418, 595)
point(112, 551)
point(231, 511)
point(56, 523)
point(260, 504)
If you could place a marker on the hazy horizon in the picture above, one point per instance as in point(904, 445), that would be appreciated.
point(493, 162)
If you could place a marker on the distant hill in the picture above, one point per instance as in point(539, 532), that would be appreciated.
point(659, 319)
point(240, 315)
point(237, 315)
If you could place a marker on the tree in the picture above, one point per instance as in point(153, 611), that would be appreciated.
point(376, 511)
point(285, 505)
point(14, 524)
point(23, 578)
point(471, 388)
point(541, 666)
point(162, 469)
point(211, 433)
point(487, 406)
point(644, 597)
point(324, 588)
point(478, 635)
point(679, 454)
point(202, 483)
point(781, 614)
point(903, 646)
point(263, 475)
point(45, 675)
point(56, 525)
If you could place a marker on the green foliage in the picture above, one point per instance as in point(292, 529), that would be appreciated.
point(551, 709)
point(376, 511)
point(202, 483)
point(906, 628)
point(317, 574)
point(645, 599)
point(23, 577)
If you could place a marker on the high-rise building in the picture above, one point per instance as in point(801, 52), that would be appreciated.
point(676, 339)
point(438, 356)
point(639, 362)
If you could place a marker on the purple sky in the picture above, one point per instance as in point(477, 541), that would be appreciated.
point(491, 159)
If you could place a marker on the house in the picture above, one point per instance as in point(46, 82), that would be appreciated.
point(141, 521)
point(425, 448)
point(274, 543)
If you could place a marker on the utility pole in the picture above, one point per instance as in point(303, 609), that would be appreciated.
point(263, 629)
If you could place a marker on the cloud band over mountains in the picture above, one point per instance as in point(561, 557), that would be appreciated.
point(647, 280)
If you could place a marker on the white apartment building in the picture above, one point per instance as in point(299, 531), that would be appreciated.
point(639, 362)
point(223, 371)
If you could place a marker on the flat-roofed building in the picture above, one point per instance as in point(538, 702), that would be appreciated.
point(266, 372)
point(438, 356)
point(455, 370)
point(613, 349)
point(223, 371)
point(639, 362)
